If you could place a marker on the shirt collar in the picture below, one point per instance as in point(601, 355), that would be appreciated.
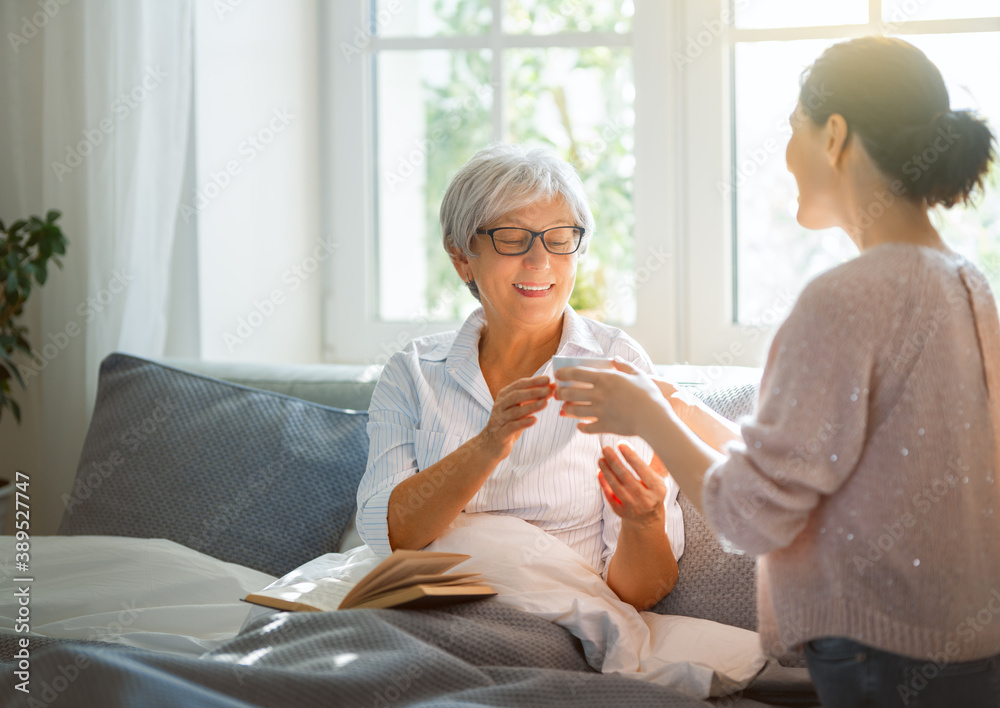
point(577, 338)
point(462, 362)
point(462, 358)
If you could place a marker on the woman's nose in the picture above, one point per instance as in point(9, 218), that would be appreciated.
point(537, 257)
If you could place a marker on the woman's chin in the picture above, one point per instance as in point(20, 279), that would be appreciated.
point(811, 221)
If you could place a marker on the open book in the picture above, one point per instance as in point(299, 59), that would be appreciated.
point(411, 578)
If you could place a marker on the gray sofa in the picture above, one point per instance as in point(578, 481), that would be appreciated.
point(713, 583)
point(258, 464)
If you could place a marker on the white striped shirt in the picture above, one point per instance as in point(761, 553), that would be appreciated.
point(432, 397)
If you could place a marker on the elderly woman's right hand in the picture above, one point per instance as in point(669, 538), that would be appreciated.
point(513, 412)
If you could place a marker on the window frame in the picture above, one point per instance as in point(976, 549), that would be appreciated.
point(711, 335)
point(353, 331)
point(684, 232)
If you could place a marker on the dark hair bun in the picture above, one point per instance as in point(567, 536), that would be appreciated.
point(894, 98)
point(953, 160)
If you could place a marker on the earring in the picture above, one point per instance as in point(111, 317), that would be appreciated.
point(469, 281)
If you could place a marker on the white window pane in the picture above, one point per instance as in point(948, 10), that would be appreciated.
point(428, 18)
point(760, 14)
point(580, 101)
point(551, 16)
point(907, 10)
point(775, 257)
point(968, 63)
point(433, 112)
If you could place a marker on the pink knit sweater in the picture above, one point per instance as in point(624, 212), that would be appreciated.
point(867, 479)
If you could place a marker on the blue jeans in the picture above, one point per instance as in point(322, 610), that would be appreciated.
point(851, 675)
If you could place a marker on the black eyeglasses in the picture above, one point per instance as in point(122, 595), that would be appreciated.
point(509, 241)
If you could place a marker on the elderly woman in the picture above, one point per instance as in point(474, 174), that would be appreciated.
point(466, 420)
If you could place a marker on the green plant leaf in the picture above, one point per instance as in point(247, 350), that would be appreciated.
point(12, 283)
point(41, 272)
point(52, 214)
point(10, 368)
point(15, 409)
point(17, 226)
point(25, 283)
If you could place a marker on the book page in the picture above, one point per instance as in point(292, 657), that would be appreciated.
point(424, 595)
point(400, 566)
point(324, 595)
point(447, 579)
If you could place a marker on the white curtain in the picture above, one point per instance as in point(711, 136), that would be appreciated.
point(95, 122)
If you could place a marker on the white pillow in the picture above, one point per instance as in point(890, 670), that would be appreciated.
point(148, 593)
point(537, 573)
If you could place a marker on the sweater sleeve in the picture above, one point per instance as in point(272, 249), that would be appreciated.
point(810, 427)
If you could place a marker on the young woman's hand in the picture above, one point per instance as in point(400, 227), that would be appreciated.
point(638, 501)
point(513, 412)
point(619, 402)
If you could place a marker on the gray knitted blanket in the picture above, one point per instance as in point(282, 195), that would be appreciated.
point(475, 654)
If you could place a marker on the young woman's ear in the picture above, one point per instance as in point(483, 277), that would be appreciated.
point(836, 138)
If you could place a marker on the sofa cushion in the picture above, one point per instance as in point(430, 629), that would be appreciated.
point(713, 582)
point(247, 476)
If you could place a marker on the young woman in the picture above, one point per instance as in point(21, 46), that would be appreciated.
point(866, 481)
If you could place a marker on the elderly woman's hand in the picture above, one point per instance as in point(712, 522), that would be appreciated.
point(618, 402)
point(513, 412)
point(634, 500)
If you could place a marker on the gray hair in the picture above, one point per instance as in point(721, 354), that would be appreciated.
point(501, 179)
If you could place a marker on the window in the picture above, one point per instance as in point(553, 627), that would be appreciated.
point(674, 113)
point(436, 81)
point(768, 61)
point(757, 63)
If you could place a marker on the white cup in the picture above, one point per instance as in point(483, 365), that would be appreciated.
point(592, 362)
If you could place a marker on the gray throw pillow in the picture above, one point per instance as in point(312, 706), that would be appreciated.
point(712, 582)
point(247, 476)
